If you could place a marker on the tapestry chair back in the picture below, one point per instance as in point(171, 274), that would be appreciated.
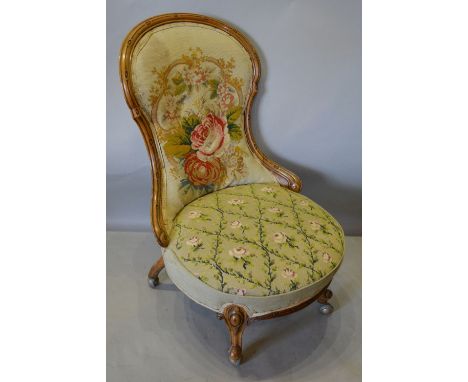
point(189, 81)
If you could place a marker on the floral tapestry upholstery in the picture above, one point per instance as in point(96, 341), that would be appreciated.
point(257, 240)
point(192, 82)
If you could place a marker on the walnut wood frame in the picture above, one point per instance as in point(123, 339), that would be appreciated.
point(236, 319)
point(235, 316)
point(285, 177)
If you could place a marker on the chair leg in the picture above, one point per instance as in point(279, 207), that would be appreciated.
point(153, 279)
point(236, 320)
point(325, 308)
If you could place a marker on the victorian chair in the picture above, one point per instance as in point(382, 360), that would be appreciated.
point(237, 236)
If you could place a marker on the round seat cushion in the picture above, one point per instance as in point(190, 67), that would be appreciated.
point(257, 240)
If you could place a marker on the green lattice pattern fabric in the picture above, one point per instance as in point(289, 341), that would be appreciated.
point(257, 240)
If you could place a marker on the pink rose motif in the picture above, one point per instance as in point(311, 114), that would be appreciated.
point(227, 100)
point(199, 76)
point(187, 75)
point(238, 252)
point(200, 172)
point(210, 136)
point(222, 88)
point(241, 292)
point(314, 225)
point(288, 273)
point(326, 257)
point(195, 76)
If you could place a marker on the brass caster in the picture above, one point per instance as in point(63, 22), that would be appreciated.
point(235, 355)
point(326, 309)
point(236, 363)
point(153, 282)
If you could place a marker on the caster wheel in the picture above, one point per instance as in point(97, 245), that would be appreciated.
point(236, 362)
point(326, 309)
point(235, 355)
point(153, 283)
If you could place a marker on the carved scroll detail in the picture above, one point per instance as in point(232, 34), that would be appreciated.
point(236, 320)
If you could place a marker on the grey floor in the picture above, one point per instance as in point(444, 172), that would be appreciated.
point(161, 335)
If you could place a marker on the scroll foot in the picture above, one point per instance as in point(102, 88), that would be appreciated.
point(153, 279)
point(236, 320)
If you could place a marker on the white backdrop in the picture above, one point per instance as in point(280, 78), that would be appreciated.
point(307, 114)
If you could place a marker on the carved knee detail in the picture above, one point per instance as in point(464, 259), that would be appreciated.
point(236, 320)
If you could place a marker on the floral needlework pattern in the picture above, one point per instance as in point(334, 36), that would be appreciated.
point(257, 240)
point(197, 106)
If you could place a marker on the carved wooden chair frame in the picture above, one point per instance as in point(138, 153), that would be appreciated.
point(235, 316)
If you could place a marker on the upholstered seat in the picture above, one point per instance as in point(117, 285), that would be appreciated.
point(257, 240)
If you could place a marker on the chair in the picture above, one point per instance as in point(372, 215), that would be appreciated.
point(237, 236)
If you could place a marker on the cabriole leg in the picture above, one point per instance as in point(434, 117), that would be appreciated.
point(325, 307)
point(153, 279)
point(236, 320)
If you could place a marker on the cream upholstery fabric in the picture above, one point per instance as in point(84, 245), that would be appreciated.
point(255, 240)
point(192, 81)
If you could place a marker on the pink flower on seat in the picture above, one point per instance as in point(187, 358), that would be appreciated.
point(236, 224)
point(288, 273)
point(238, 252)
point(194, 214)
point(314, 225)
point(194, 241)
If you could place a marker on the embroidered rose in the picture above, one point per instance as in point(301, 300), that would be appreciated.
point(315, 226)
point(236, 224)
point(195, 101)
point(210, 137)
point(199, 76)
point(226, 100)
point(268, 190)
point(194, 214)
point(222, 88)
point(238, 252)
point(195, 76)
point(326, 257)
point(236, 202)
point(279, 237)
point(194, 241)
point(241, 292)
point(275, 210)
point(201, 173)
point(288, 273)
